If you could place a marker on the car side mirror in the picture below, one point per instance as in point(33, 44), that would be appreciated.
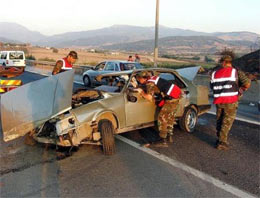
point(131, 98)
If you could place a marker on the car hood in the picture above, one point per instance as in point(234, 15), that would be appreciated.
point(189, 72)
point(27, 107)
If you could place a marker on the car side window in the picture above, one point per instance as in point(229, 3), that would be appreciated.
point(100, 66)
point(129, 66)
point(122, 67)
point(117, 67)
point(167, 76)
point(110, 66)
point(3, 55)
point(172, 78)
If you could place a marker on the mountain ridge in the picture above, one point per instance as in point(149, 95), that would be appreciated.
point(124, 35)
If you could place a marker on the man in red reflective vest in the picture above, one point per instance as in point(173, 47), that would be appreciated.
point(227, 84)
point(169, 96)
point(66, 63)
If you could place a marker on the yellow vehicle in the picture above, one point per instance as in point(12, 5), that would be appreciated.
point(9, 72)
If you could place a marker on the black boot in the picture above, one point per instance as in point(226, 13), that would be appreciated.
point(222, 146)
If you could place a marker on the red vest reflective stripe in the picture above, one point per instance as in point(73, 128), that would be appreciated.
point(66, 65)
point(166, 87)
point(224, 85)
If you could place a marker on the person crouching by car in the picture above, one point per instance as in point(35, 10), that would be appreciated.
point(66, 63)
point(169, 96)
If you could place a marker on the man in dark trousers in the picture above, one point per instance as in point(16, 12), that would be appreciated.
point(169, 95)
point(227, 84)
point(66, 63)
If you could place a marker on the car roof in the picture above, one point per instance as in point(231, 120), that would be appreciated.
point(137, 70)
point(119, 61)
point(13, 51)
point(189, 73)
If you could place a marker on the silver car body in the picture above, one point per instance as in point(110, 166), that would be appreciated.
point(74, 125)
point(105, 67)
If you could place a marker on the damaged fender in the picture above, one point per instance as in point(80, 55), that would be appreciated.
point(29, 106)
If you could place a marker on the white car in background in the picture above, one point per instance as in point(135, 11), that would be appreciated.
point(12, 58)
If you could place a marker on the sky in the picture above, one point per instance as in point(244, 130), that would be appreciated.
point(58, 16)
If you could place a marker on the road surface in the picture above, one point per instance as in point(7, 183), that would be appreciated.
point(189, 167)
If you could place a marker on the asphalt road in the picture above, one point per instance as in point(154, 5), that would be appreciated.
point(34, 171)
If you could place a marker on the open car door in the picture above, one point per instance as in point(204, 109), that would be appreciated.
point(27, 107)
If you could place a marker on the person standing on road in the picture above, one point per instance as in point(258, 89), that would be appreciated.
point(66, 63)
point(228, 85)
point(167, 97)
point(130, 58)
point(137, 58)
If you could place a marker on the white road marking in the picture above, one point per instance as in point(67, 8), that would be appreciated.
point(77, 82)
point(205, 177)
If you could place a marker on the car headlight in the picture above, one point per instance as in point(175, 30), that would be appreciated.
point(65, 125)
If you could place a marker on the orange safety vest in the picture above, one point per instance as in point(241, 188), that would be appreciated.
point(225, 86)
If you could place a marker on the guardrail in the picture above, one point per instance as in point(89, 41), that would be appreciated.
point(79, 69)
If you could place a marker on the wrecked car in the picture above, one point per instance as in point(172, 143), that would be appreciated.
point(93, 116)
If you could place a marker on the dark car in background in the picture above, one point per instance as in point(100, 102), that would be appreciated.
point(105, 67)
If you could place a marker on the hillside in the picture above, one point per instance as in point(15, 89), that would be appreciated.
point(182, 44)
point(116, 34)
point(16, 32)
point(249, 62)
point(5, 40)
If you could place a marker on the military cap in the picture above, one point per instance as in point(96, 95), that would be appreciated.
point(73, 54)
point(227, 58)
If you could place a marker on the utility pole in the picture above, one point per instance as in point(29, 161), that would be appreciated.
point(156, 34)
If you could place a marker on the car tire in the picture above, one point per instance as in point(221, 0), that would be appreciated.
point(189, 120)
point(107, 135)
point(86, 81)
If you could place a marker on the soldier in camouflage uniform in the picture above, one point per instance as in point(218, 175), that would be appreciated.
point(168, 105)
point(228, 85)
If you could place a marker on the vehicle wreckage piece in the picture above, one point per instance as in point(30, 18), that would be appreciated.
point(9, 72)
point(27, 107)
point(8, 85)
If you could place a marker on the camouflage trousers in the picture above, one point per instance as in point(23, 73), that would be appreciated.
point(166, 117)
point(226, 114)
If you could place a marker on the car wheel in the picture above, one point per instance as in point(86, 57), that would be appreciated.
point(86, 81)
point(107, 134)
point(189, 120)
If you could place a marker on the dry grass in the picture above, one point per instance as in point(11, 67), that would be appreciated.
point(88, 58)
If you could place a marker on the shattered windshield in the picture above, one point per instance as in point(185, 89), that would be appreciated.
point(114, 84)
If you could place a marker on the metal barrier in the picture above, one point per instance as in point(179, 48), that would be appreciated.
point(79, 69)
